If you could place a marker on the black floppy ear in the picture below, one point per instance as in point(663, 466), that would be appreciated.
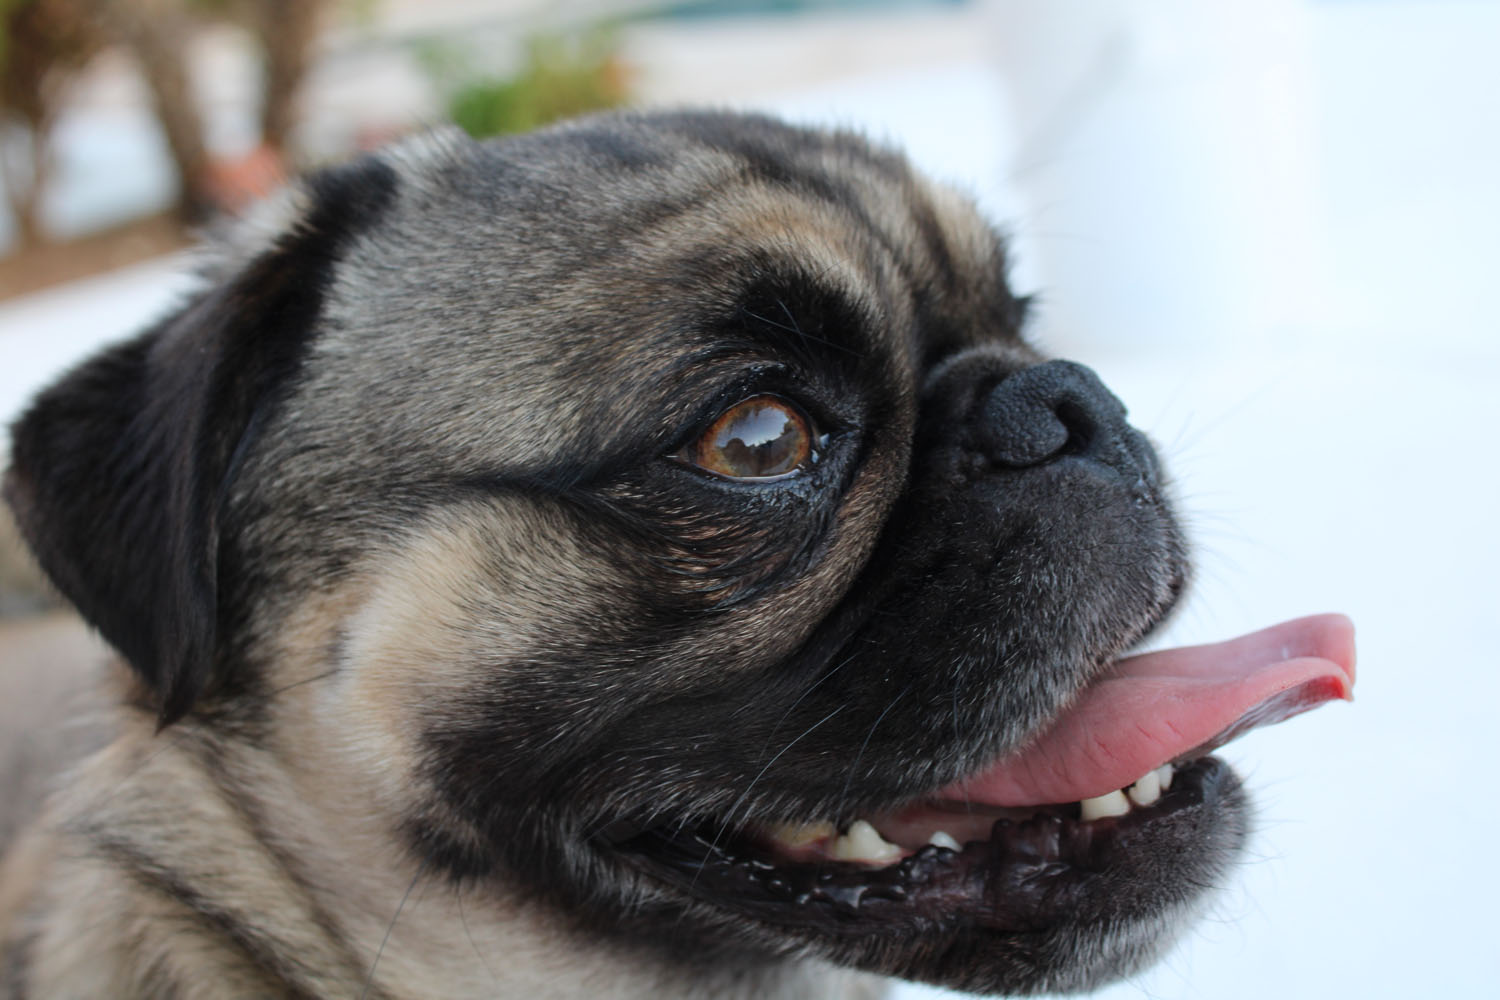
point(119, 471)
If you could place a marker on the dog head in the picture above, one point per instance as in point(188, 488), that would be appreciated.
point(672, 522)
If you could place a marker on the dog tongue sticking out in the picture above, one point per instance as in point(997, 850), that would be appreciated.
point(1171, 705)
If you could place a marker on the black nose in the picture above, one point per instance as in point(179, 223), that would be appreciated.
point(1060, 408)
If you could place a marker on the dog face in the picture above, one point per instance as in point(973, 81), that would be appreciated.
point(648, 511)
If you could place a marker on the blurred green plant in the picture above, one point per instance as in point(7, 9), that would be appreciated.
point(559, 77)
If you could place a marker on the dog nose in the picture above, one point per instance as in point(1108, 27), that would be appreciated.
point(1060, 408)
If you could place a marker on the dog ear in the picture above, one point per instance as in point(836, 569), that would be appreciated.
point(120, 470)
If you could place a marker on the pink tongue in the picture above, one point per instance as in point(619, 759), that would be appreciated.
point(1157, 707)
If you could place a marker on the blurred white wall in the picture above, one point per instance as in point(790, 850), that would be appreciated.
point(1165, 151)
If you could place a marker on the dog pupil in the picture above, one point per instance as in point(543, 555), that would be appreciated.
point(757, 439)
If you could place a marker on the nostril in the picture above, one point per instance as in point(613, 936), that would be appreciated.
point(1051, 410)
point(1019, 426)
point(1082, 430)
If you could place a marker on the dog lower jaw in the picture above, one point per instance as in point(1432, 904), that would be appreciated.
point(968, 917)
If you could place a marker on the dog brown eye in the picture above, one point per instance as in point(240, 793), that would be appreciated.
point(764, 437)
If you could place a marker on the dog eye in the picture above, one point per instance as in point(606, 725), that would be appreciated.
point(760, 438)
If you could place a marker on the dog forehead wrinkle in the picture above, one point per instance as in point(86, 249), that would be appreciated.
point(513, 272)
point(946, 249)
point(832, 271)
point(567, 223)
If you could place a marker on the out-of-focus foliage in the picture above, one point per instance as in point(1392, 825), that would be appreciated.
point(558, 78)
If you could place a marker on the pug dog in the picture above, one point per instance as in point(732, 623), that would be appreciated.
point(643, 558)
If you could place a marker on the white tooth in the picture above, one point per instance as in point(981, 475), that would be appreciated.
point(941, 838)
point(1109, 804)
point(1164, 776)
point(802, 834)
point(1146, 790)
point(863, 843)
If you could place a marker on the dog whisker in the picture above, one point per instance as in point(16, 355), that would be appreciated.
point(728, 818)
point(389, 928)
point(478, 953)
point(854, 766)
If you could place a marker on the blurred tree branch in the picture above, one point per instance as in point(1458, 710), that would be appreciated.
point(288, 31)
point(158, 31)
point(43, 44)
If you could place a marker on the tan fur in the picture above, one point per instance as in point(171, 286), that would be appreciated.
point(299, 830)
point(50, 695)
point(120, 933)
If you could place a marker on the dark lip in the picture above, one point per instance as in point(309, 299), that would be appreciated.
point(632, 831)
point(1030, 875)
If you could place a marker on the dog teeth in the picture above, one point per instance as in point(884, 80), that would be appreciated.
point(1146, 791)
point(796, 835)
point(1109, 804)
point(943, 839)
point(863, 843)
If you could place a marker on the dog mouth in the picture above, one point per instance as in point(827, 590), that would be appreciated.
point(1113, 795)
point(933, 866)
